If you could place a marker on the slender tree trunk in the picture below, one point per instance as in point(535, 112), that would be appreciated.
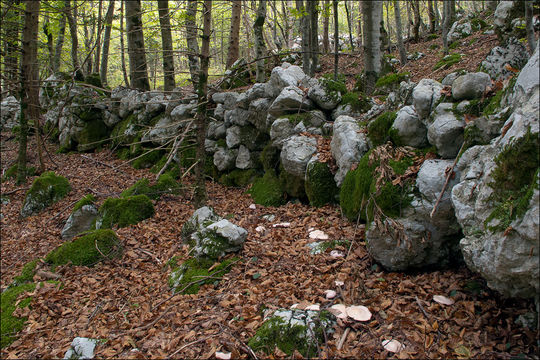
point(529, 25)
point(416, 26)
point(492, 5)
point(167, 44)
point(191, 39)
point(59, 43)
point(202, 94)
point(79, 75)
point(372, 11)
point(409, 20)
point(431, 16)
point(234, 38)
point(349, 25)
point(437, 15)
point(137, 56)
point(303, 29)
point(29, 82)
point(260, 47)
point(50, 41)
point(122, 47)
point(11, 19)
point(399, 34)
point(314, 35)
point(106, 42)
point(452, 11)
point(326, 18)
point(98, 36)
point(445, 25)
point(359, 25)
point(336, 39)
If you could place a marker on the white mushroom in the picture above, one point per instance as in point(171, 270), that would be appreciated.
point(359, 313)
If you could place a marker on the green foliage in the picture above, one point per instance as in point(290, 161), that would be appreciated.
point(478, 24)
point(514, 180)
point(267, 191)
point(27, 273)
point(125, 211)
point(378, 129)
point(11, 173)
point(432, 36)
point(454, 45)
point(298, 118)
point(9, 324)
point(149, 158)
point(333, 86)
point(472, 136)
point(434, 46)
point(83, 251)
point(238, 177)
point(193, 273)
point(447, 61)
point(320, 186)
point(172, 168)
point(357, 100)
point(391, 80)
point(86, 200)
point(45, 190)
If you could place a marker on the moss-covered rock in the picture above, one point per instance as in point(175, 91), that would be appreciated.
point(11, 172)
point(193, 273)
point(238, 177)
point(93, 79)
point(83, 251)
point(85, 200)
point(149, 158)
point(447, 61)
point(9, 324)
point(357, 100)
point(165, 184)
point(45, 191)
point(270, 158)
point(172, 168)
point(289, 330)
point(125, 132)
point(320, 186)
point(292, 185)
point(267, 191)
point(27, 273)
point(379, 129)
point(124, 211)
point(391, 81)
point(94, 134)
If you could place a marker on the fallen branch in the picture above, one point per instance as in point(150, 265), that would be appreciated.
point(421, 308)
point(343, 337)
point(99, 162)
point(448, 176)
point(14, 191)
point(191, 343)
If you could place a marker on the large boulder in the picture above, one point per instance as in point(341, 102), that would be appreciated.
point(227, 99)
point(45, 190)
point(348, 145)
point(282, 77)
point(528, 80)
point(506, 20)
point(79, 221)
point(290, 100)
point(408, 128)
point(225, 159)
point(258, 110)
point(425, 96)
point(501, 59)
point(446, 131)
point(281, 130)
point(416, 239)
point(470, 86)
point(9, 112)
point(325, 99)
point(296, 152)
point(459, 30)
point(164, 130)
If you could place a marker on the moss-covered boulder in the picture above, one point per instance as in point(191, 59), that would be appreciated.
point(86, 250)
point(379, 129)
point(166, 184)
point(238, 177)
point(193, 273)
point(93, 135)
point(82, 218)
point(292, 185)
point(320, 186)
point(45, 191)
point(289, 330)
point(123, 212)
point(11, 172)
point(267, 190)
point(148, 158)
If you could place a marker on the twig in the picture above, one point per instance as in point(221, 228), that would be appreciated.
point(448, 176)
point(94, 313)
point(48, 275)
point(245, 348)
point(191, 343)
point(421, 307)
point(149, 254)
point(14, 191)
point(343, 337)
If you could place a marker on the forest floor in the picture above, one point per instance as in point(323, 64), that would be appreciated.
point(128, 302)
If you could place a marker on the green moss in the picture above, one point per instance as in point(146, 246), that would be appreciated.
point(432, 36)
point(238, 177)
point(94, 134)
point(45, 191)
point(323, 246)
point(123, 153)
point(333, 86)
point(172, 168)
point(267, 191)
point(166, 184)
point(357, 100)
point(472, 136)
point(9, 324)
point(93, 79)
point(125, 211)
point(270, 158)
point(434, 46)
point(295, 119)
point(378, 129)
point(149, 158)
point(454, 45)
point(141, 187)
point(293, 185)
point(11, 172)
point(354, 192)
point(27, 273)
point(118, 134)
point(447, 61)
point(391, 80)
point(86, 200)
point(83, 251)
point(193, 273)
point(478, 24)
point(321, 188)
point(514, 180)
point(494, 103)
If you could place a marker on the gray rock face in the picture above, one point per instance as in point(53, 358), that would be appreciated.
point(81, 348)
point(345, 110)
point(257, 113)
point(513, 54)
point(183, 112)
point(228, 99)
point(290, 100)
point(164, 130)
point(281, 130)
point(528, 79)
point(79, 221)
point(296, 152)
point(410, 130)
point(323, 98)
point(405, 91)
point(348, 145)
point(425, 240)
point(470, 86)
point(225, 159)
point(446, 131)
point(237, 116)
point(243, 160)
point(233, 137)
point(459, 30)
point(284, 76)
point(425, 96)
point(450, 78)
point(9, 112)
point(216, 130)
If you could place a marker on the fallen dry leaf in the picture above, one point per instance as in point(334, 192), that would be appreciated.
point(392, 345)
point(443, 300)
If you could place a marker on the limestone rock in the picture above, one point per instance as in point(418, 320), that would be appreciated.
point(225, 159)
point(425, 96)
point(290, 100)
point(409, 129)
point(446, 131)
point(323, 98)
point(79, 221)
point(470, 86)
point(513, 54)
point(296, 152)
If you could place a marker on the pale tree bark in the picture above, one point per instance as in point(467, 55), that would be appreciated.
point(68, 11)
point(336, 40)
point(399, 33)
point(372, 11)
point(431, 16)
point(59, 43)
point(201, 118)
point(122, 47)
point(314, 36)
point(326, 18)
point(445, 25)
point(191, 39)
point(29, 82)
point(437, 15)
point(106, 43)
point(97, 54)
point(348, 14)
point(138, 72)
point(234, 37)
point(260, 47)
point(416, 25)
point(303, 28)
point(529, 25)
point(167, 44)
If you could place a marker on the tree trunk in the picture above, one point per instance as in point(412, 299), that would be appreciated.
point(303, 28)
point(326, 18)
point(10, 38)
point(529, 25)
point(202, 94)
point(416, 26)
point(234, 38)
point(98, 37)
point(59, 43)
point(336, 39)
point(372, 11)
point(349, 25)
point(167, 44)
point(431, 16)
point(191, 39)
point(399, 34)
point(122, 47)
point(437, 15)
point(106, 42)
point(260, 47)
point(50, 41)
point(492, 5)
point(409, 19)
point(138, 72)
point(452, 11)
point(79, 75)
point(445, 26)
point(314, 33)
point(29, 82)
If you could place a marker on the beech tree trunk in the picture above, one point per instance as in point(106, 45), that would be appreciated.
point(10, 38)
point(138, 72)
point(167, 44)
point(372, 11)
point(191, 39)
point(201, 118)
point(431, 16)
point(98, 37)
point(29, 82)
point(416, 26)
point(106, 43)
point(313, 36)
point(50, 41)
point(260, 47)
point(349, 24)
point(59, 43)
point(326, 18)
point(122, 47)
point(79, 75)
point(529, 25)
point(336, 39)
point(234, 37)
point(399, 34)
point(445, 26)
